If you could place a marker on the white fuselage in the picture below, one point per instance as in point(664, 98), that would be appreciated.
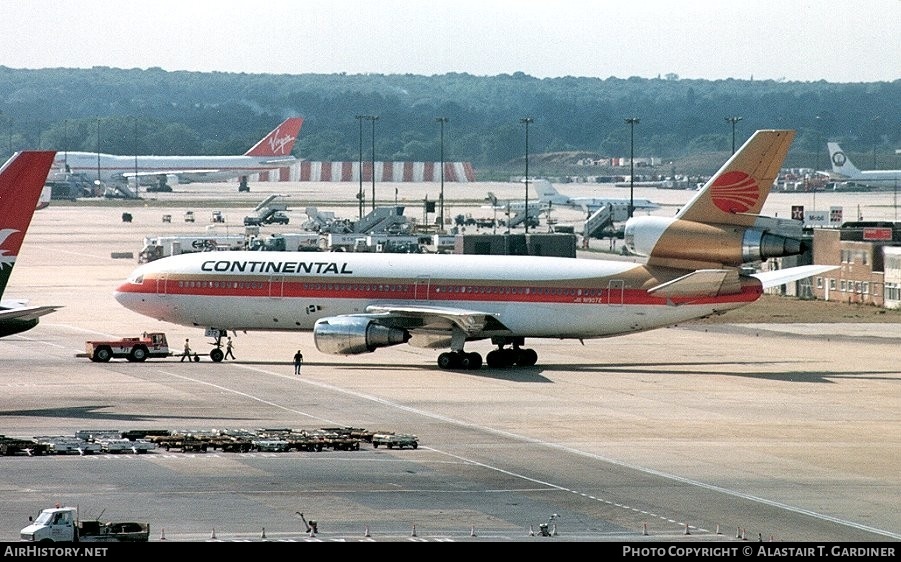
point(115, 168)
point(529, 296)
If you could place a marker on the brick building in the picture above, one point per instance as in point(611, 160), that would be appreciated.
point(859, 248)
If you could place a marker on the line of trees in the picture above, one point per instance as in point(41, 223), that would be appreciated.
point(152, 111)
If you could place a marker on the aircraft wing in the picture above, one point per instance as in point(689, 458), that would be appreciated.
point(434, 318)
point(279, 161)
point(168, 173)
point(26, 312)
point(783, 276)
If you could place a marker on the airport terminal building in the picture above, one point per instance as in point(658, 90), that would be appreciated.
point(869, 256)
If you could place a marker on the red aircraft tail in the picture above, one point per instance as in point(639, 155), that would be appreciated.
point(280, 141)
point(22, 179)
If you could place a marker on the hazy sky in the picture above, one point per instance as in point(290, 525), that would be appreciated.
point(806, 40)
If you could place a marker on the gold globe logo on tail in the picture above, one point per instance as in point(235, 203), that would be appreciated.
point(735, 192)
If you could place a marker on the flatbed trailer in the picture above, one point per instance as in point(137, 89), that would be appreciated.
point(12, 446)
point(392, 440)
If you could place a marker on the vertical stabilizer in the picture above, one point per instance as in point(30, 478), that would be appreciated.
point(840, 163)
point(280, 141)
point(737, 192)
point(22, 179)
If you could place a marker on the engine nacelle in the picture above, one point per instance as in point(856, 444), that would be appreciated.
point(732, 245)
point(352, 335)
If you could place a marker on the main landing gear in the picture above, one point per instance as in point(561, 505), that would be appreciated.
point(459, 360)
point(499, 358)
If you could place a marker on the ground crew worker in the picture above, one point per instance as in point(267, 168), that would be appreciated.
point(187, 351)
point(228, 349)
point(298, 361)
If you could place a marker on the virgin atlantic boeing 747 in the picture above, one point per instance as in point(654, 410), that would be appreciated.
point(358, 302)
point(272, 151)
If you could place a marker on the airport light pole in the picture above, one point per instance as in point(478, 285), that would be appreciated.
point(441, 121)
point(875, 139)
point(373, 119)
point(9, 122)
point(98, 153)
point(66, 145)
point(733, 120)
point(632, 121)
point(527, 121)
point(137, 180)
point(360, 169)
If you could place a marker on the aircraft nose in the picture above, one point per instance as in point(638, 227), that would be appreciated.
point(125, 295)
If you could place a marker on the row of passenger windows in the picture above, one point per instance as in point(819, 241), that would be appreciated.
point(347, 287)
point(222, 284)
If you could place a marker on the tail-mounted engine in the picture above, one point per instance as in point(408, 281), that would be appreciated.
point(352, 335)
point(688, 241)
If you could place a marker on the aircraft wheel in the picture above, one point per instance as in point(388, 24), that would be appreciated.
point(471, 361)
point(527, 357)
point(493, 359)
point(447, 360)
point(216, 355)
point(509, 357)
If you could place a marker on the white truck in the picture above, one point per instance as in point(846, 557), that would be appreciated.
point(61, 524)
point(156, 247)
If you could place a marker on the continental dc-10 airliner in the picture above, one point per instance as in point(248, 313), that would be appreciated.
point(358, 302)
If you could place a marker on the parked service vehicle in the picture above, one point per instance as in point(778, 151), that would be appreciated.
point(392, 440)
point(149, 345)
point(61, 524)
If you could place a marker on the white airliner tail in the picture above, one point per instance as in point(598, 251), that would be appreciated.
point(841, 164)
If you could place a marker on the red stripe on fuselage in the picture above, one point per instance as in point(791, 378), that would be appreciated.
point(381, 290)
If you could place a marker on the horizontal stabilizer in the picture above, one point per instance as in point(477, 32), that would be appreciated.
point(700, 283)
point(783, 276)
point(27, 312)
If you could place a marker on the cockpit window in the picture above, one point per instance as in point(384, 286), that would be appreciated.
point(137, 280)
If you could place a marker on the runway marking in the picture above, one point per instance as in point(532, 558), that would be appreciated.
point(522, 438)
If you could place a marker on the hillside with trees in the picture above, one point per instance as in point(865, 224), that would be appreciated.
point(152, 111)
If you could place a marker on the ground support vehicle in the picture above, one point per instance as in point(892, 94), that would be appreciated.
point(149, 345)
point(270, 445)
point(62, 524)
point(64, 445)
point(187, 442)
point(113, 441)
point(156, 247)
point(358, 433)
point(137, 447)
point(392, 440)
point(134, 434)
point(13, 446)
point(231, 441)
point(336, 441)
point(288, 440)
